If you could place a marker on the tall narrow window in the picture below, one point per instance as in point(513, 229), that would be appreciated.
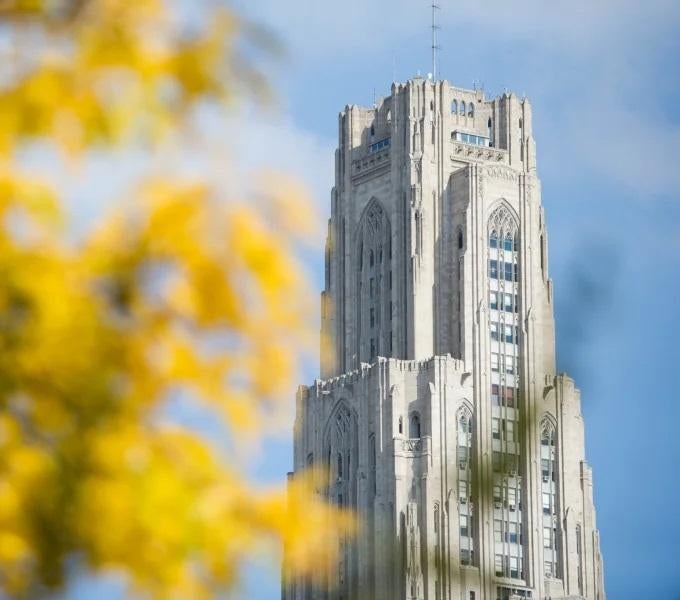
point(506, 459)
point(465, 500)
point(454, 107)
point(549, 482)
point(373, 331)
point(462, 108)
point(414, 431)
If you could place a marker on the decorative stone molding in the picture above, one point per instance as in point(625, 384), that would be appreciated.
point(414, 445)
point(502, 172)
point(466, 151)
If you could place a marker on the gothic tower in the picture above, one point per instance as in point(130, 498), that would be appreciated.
point(440, 418)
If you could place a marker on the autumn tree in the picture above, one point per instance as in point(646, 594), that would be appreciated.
point(182, 290)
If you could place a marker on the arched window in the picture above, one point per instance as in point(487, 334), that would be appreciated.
point(493, 239)
point(414, 428)
point(339, 465)
point(373, 239)
point(549, 482)
point(460, 239)
point(471, 110)
point(401, 425)
point(372, 130)
point(454, 107)
point(506, 457)
point(310, 459)
point(389, 116)
point(462, 108)
point(465, 499)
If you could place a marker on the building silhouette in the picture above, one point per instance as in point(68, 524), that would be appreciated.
point(439, 416)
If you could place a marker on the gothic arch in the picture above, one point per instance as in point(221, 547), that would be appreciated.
point(342, 416)
point(465, 405)
point(464, 470)
point(373, 251)
point(548, 427)
point(373, 216)
point(503, 218)
point(341, 453)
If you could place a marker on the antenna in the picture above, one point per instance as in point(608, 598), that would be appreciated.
point(435, 46)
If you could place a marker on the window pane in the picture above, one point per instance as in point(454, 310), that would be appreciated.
point(493, 269)
point(493, 300)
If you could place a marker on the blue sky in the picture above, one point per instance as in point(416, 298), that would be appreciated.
point(604, 81)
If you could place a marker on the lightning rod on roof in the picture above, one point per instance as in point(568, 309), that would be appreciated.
point(435, 45)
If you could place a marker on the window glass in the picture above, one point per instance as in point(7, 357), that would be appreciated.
point(462, 490)
point(493, 269)
point(510, 365)
point(493, 300)
point(546, 503)
point(494, 331)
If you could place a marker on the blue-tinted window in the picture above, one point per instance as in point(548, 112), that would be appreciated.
point(508, 243)
point(493, 240)
point(493, 300)
point(509, 272)
point(494, 331)
point(493, 269)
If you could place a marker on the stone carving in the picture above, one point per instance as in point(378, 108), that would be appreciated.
point(502, 221)
point(502, 172)
point(414, 574)
point(415, 445)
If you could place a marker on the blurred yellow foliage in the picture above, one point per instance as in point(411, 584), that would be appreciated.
point(177, 292)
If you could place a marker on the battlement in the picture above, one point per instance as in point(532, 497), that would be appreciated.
point(381, 364)
point(420, 112)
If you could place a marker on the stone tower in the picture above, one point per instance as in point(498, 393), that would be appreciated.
point(440, 418)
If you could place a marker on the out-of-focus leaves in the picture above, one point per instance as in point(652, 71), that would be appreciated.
point(175, 292)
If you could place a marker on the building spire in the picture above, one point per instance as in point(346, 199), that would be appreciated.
point(435, 45)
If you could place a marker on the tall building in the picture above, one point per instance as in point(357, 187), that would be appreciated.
point(439, 416)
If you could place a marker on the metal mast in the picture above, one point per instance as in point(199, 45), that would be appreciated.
point(435, 46)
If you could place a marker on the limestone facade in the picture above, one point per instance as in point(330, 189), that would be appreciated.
point(439, 416)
